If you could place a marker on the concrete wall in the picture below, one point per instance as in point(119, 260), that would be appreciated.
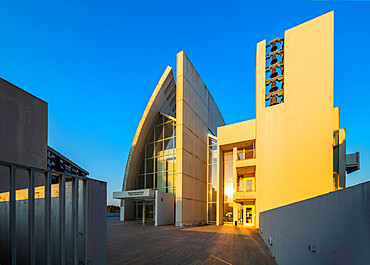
point(196, 112)
point(337, 223)
point(97, 238)
point(23, 131)
point(294, 139)
point(23, 126)
point(164, 208)
point(237, 132)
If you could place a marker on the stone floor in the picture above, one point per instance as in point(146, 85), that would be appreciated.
point(134, 243)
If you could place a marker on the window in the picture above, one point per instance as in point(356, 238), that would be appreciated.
point(157, 167)
point(228, 187)
point(212, 179)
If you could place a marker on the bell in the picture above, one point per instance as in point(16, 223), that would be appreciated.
point(274, 60)
point(273, 100)
point(274, 87)
point(274, 47)
point(274, 73)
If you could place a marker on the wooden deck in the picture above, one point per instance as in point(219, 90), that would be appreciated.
point(133, 243)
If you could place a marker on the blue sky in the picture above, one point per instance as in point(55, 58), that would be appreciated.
point(96, 63)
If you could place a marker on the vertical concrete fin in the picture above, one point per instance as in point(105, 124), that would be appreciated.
point(196, 114)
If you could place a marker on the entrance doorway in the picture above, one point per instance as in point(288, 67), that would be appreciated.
point(248, 215)
point(149, 208)
point(144, 211)
point(147, 205)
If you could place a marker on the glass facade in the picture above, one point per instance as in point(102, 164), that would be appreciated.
point(157, 167)
point(212, 180)
point(228, 187)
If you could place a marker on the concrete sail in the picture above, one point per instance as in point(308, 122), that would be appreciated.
point(163, 100)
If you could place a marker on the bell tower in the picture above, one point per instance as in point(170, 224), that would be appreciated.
point(294, 114)
point(275, 72)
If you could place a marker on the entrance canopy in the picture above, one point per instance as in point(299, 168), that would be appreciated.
point(144, 194)
point(153, 205)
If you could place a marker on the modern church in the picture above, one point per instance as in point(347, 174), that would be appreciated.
point(187, 167)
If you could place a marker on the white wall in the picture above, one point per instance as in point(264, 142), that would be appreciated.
point(164, 208)
point(338, 223)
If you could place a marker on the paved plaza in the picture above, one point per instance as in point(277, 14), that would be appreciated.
point(134, 243)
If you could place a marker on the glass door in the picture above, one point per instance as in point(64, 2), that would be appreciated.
point(149, 212)
point(248, 211)
point(240, 214)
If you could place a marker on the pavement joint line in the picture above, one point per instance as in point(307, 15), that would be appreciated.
point(220, 259)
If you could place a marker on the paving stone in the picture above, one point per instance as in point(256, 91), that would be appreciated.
point(134, 243)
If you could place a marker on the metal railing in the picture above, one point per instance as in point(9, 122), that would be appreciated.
point(245, 188)
point(246, 154)
point(77, 217)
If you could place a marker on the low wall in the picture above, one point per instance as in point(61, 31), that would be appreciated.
point(336, 225)
point(164, 208)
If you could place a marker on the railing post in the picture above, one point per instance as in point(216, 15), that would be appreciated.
point(12, 215)
point(80, 217)
point(48, 217)
point(31, 216)
point(75, 219)
point(62, 205)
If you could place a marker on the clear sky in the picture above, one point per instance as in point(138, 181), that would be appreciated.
point(97, 63)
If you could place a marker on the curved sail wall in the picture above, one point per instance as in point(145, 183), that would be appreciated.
point(191, 111)
point(163, 100)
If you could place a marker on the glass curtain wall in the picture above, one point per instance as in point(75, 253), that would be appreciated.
point(212, 180)
point(157, 167)
point(228, 187)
